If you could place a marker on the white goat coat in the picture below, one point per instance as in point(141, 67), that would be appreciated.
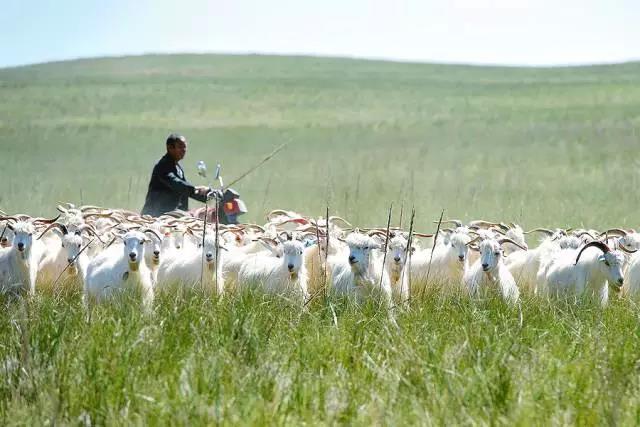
point(109, 274)
point(186, 266)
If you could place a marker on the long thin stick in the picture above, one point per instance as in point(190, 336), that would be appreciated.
point(55, 282)
point(204, 233)
point(386, 244)
point(263, 161)
point(217, 245)
point(435, 240)
point(326, 254)
point(407, 260)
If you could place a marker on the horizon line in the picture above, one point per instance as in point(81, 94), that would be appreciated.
point(322, 56)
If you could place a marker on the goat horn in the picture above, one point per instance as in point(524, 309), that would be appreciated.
point(502, 241)
point(618, 231)
point(62, 228)
point(473, 241)
point(600, 245)
point(629, 251)
point(153, 232)
point(332, 219)
point(422, 234)
point(497, 230)
point(92, 231)
point(482, 223)
point(45, 220)
point(457, 222)
point(277, 212)
point(541, 230)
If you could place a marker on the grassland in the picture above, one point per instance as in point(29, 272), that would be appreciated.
point(537, 146)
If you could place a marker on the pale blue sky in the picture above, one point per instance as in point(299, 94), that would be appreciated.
point(517, 32)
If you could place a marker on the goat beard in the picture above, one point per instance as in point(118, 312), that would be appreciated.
point(133, 266)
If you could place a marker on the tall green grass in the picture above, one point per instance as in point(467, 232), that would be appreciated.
point(258, 360)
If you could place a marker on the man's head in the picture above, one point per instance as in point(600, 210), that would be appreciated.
point(176, 146)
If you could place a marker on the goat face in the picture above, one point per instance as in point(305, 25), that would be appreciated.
point(72, 243)
point(293, 255)
point(134, 248)
point(610, 264)
point(398, 251)
point(6, 236)
point(23, 236)
point(490, 254)
point(458, 244)
point(153, 247)
point(360, 247)
point(210, 249)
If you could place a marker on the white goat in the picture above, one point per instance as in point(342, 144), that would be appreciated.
point(449, 263)
point(188, 266)
point(490, 272)
point(283, 275)
point(362, 274)
point(589, 273)
point(120, 267)
point(19, 263)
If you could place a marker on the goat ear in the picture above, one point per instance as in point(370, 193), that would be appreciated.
point(376, 245)
point(601, 258)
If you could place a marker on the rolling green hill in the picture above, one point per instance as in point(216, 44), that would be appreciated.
point(539, 146)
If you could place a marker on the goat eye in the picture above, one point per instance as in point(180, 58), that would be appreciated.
point(496, 253)
point(141, 243)
point(607, 263)
point(366, 248)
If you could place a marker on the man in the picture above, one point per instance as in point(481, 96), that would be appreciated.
point(169, 189)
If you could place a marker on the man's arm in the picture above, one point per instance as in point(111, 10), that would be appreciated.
point(177, 184)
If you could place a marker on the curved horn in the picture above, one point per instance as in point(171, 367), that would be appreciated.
point(615, 231)
point(62, 228)
point(422, 234)
point(91, 231)
point(457, 222)
point(540, 230)
point(482, 223)
point(153, 232)
point(16, 218)
point(502, 241)
point(470, 244)
point(497, 230)
point(106, 214)
point(624, 249)
point(277, 212)
point(91, 207)
point(333, 219)
point(600, 245)
point(45, 220)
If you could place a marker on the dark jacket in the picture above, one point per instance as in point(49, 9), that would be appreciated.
point(168, 189)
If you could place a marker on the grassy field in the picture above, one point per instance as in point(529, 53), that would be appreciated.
point(542, 147)
point(539, 146)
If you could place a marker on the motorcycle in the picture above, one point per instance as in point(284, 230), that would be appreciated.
point(228, 206)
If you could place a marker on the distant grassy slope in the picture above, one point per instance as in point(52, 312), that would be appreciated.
point(538, 146)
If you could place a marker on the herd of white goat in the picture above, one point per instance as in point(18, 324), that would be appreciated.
point(107, 251)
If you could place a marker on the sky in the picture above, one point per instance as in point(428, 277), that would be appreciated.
point(506, 32)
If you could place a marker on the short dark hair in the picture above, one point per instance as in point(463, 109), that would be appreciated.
point(175, 137)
